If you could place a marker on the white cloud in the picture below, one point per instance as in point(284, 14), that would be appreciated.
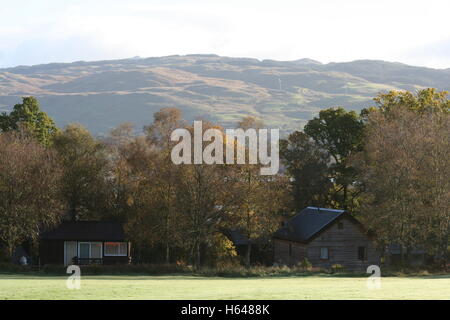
point(328, 30)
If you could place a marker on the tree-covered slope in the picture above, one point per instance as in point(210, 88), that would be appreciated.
point(284, 94)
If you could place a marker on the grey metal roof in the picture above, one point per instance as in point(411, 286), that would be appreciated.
point(310, 221)
point(86, 231)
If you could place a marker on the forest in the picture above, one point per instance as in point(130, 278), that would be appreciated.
point(388, 165)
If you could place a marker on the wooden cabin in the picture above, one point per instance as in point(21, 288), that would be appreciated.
point(325, 237)
point(85, 242)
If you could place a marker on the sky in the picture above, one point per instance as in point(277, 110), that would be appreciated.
point(415, 32)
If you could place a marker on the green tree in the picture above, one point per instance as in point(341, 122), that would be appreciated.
point(340, 133)
point(29, 115)
point(307, 165)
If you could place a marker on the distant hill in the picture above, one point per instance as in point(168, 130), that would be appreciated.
point(285, 94)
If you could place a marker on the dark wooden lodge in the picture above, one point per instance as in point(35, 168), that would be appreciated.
point(325, 237)
point(85, 242)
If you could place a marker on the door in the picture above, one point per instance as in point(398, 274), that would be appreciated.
point(70, 251)
point(84, 250)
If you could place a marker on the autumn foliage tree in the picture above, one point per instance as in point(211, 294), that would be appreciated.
point(405, 168)
point(258, 200)
point(85, 171)
point(30, 185)
point(165, 176)
point(389, 164)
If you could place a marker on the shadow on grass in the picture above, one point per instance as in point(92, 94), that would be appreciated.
point(173, 277)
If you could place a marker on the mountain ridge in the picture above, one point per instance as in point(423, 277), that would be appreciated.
point(284, 94)
point(300, 60)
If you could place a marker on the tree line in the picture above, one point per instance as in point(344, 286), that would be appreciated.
point(388, 165)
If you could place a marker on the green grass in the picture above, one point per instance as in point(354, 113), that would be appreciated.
point(191, 287)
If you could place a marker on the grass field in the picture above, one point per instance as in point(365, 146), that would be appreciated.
point(191, 287)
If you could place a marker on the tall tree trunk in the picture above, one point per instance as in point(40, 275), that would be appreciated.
point(73, 210)
point(402, 255)
point(197, 256)
point(446, 253)
point(442, 254)
point(167, 252)
point(10, 250)
point(345, 198)
point(248, 254)
point(167, 220)
point(408, 255)
point(166, 240)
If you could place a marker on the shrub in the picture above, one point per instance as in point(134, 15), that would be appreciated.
point(305, 265)
point(54, 269)
point(336, 268)
point(13, 268)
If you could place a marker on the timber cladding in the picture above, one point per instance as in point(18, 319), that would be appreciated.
point(85, 242)
point(341, 241)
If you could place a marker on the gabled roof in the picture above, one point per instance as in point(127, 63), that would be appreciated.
point(86, 231)
point(308, 223)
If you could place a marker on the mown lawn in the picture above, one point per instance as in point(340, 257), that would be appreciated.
point(192, 287)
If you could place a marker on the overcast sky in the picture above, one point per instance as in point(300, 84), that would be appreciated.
point(40, 31)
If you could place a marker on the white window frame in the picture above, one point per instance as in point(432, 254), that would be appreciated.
point(115, 255)
point(65, 251)
point(90, 248)
point(101, 249)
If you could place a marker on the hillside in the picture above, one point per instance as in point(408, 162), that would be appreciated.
point(284, 94)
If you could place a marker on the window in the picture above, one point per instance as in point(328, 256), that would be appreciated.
point(116, 249)
point(89, 250)
point(324, 253)
point(362, 253)
point(96, 250)
point(84, 250)
point(340, 225)
point(290, 250)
